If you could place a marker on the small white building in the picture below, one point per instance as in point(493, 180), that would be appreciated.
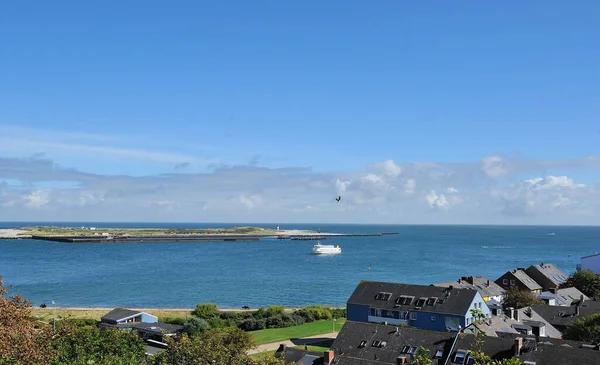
point(591, 262)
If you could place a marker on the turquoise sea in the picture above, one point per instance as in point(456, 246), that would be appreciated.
point(271, 271)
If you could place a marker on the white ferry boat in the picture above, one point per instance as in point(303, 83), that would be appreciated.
point(320, 249)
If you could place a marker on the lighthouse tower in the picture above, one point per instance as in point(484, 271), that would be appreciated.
point(278, 227)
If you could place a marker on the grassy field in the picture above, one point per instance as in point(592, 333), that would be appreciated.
point(305, 330)
point(47, 314)
point(78, 231)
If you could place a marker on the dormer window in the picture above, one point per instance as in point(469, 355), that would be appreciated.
point(421, 302)
point(439, 353)
point(376, 343)
point(432, 300)
point(404, 300)
point(383, 296)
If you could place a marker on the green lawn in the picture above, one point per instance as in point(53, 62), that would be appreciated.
point(304, 330)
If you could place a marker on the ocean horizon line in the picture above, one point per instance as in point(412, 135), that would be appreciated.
point(260, 224)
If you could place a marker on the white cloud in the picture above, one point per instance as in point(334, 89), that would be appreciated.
point(493, 166)
point(39, 189)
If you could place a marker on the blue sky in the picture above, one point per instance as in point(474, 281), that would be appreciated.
point(147, 88)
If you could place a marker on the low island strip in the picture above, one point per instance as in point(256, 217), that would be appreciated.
point(94, 234)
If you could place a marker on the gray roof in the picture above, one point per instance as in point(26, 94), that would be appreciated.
point(564, 316)
point(348, 351)
point(298, 356)
point(551, 272)
point(118, 314)
point(158, 328)
point(528, 314)
point(485, 287)
point(550, 354)
point(522, 276)
point(449, 301)
point(571, 294)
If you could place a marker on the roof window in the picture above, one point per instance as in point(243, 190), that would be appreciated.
point(383, 296)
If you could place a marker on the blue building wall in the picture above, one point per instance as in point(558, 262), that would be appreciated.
point(148, 318)
point(434, 321)
point(357, 312)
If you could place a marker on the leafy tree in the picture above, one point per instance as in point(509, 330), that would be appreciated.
point(517, 298)
point(422, 357)
point(195, 325)
point(22, 341)
point(206, 311)
point(586, 281)
point(586, 329)
point(218, 347)
point(91, 345)
point(477, 353)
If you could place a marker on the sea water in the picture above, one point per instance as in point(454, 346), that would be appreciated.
point(271, 271)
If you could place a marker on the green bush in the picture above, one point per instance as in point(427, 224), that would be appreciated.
point(195, 326)
point(318, 312)
point(206, 311)
point(274, 310)
point(216, 322)
point(339, 313)
point(180, 321)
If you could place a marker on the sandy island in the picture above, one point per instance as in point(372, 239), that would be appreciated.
point(13, 233)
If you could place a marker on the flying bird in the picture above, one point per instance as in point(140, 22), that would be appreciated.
point(338, 199)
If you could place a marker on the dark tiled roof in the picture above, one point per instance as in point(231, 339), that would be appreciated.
point(156, 327)
point(348, 351)
point(551, 272)
point(564, 316)
point(526, 279)
point(453, 301)
point(295, 355)
point(485, 287)
point(546, 354)
point(118, 314)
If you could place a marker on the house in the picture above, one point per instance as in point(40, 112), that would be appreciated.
point(547, 276)
point(488, 289)
point(420, 306)
point(144, 324)
point(520, 279)
point(297, 356)
point(562, 297)
point(562, 317)
point(522, 321)
point(591, 262)
point(361, 343)
point(121, 315)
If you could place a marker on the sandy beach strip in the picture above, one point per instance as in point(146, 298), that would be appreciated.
point(12, 233)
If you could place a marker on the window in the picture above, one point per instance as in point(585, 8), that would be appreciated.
point(372, 311)
point(432, 318)
point(439, 353)
point(505, 281)
point(413, 316)
point(383, 296)
point(376, 343)
point(404, 300)
point(363, 343)
point(413, 350)
point(512, 282)
point(432, 301)
point(460, 356)
point(405, 349)
point(421, 302)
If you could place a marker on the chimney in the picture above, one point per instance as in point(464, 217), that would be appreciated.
point(400, 360)
point(510, 312)
point(471, 280)
point(518, 346)
point(576, 311)
point(516, 315)
point(281, 347)
point(327, 357)
point(488, 282)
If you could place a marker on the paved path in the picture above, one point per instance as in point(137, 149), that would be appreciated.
point(294, 342)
